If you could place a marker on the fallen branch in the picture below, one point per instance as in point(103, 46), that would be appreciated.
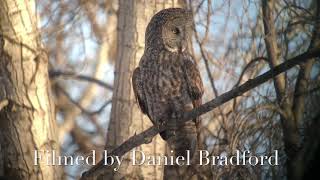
point(147, 135)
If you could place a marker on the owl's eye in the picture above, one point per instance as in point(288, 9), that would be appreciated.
point(175, 30)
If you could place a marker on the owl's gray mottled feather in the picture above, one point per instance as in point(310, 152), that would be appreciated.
point(193, 78)
point(138, 90)
point(167, 82)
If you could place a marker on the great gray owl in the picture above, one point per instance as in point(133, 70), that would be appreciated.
point(167, 81)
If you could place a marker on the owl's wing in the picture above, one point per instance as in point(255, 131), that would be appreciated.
point(138, 90)
point(195, 89)
point(193, 79)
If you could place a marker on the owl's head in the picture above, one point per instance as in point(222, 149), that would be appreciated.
point(170, 28)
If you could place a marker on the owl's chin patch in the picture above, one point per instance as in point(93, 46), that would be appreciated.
point(174, 49)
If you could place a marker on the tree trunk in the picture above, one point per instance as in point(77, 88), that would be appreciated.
point(126, 117)
point(293, 107)
point(289, 125)
point(27, 121)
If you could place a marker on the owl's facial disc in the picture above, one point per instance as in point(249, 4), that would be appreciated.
point(175, 35)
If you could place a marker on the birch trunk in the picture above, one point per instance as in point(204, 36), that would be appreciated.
point(126, 117)
point(27, 121)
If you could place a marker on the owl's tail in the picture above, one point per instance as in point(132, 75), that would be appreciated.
point(182, 139)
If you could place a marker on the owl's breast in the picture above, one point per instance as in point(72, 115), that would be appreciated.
point(164, 79)
point(169, 83)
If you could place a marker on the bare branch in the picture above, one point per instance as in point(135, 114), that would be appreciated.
point(253, 61)
point(55, 74)
point(84, 110)
point(147, 135)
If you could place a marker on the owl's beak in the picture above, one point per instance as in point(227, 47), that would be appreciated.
point(185, 40)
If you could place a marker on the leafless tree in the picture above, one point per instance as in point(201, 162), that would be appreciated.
point(259, 61)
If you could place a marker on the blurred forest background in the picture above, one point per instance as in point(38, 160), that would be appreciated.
point(91, 48)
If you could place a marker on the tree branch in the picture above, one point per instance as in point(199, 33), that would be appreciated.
point(78, 105)
point(147, 135)
point(55, 74)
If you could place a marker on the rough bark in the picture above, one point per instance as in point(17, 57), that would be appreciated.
point(126, 117)
point(27, 120)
